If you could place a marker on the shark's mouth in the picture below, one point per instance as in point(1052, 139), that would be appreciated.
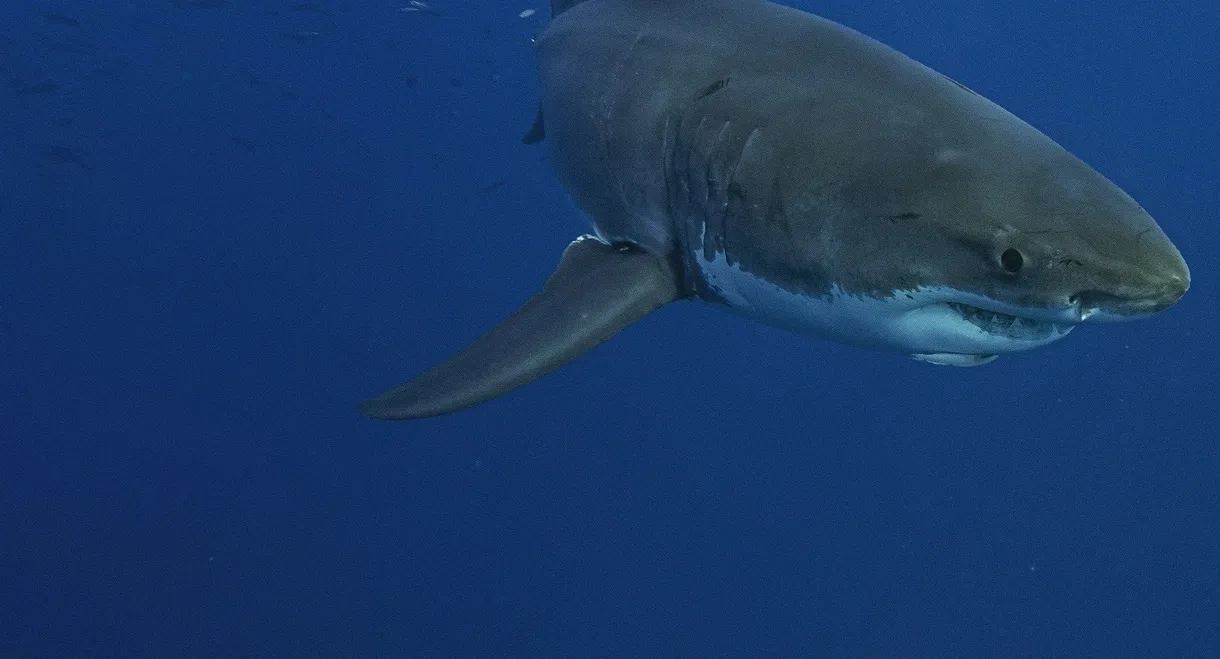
point(998, 332)
point(1016, 328)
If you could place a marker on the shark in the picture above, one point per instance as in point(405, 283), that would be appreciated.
point(794, 171)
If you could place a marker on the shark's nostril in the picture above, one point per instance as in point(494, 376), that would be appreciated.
point(1177, 286)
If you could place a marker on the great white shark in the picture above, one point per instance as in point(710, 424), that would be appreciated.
point(799, 173)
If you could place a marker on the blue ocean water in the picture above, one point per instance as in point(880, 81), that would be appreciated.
point(223, 223)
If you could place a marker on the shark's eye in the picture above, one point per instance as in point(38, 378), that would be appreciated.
point(1012, 261)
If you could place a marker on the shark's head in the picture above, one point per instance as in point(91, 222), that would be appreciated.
point(988, 238)
point(942, 227)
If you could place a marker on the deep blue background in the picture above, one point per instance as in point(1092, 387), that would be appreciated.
point(221, 226)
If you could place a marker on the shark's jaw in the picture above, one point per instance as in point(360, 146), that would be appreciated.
point(988, 322)
point(936, 324)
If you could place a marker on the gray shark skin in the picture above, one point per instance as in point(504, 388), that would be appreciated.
point(764, 159)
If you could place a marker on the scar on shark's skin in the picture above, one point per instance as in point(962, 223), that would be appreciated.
point(787, 168)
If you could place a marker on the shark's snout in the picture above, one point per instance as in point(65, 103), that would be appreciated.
point(1147, 291)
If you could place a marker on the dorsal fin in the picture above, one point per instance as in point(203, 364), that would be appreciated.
point(560, 6)
point(537, 132)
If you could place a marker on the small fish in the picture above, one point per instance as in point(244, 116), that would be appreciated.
point(421, 7)
point(245, 142)
point(34, 88)
point(60, 19)
point(302, 36)
point(65, 155)
point(111, 72)
point(70, 48)
point(486, 190)
point(527, 13)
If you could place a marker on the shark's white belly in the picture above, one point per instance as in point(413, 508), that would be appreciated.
point(930, 323)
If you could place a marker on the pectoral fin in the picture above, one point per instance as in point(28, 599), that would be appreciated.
point(596, 292)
